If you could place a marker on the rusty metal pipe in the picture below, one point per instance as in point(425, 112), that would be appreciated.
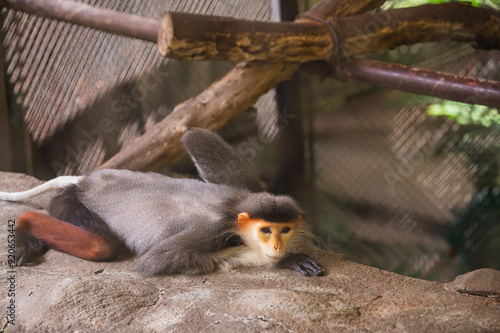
point(422, 81)
point(78, 13)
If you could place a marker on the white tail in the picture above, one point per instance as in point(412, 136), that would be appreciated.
point(52, 184)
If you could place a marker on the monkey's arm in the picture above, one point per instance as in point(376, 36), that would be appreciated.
point(302, 263)
point(185, 252)
point(217, 162)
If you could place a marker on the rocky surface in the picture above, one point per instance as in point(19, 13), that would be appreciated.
point(481, 282)
point(66, 294)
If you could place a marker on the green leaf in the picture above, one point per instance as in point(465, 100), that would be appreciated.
point(466, 114)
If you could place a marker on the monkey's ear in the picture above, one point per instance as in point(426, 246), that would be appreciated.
point(243, 219)
point(217, 162)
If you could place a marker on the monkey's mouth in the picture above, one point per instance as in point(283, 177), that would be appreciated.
point(272, 259)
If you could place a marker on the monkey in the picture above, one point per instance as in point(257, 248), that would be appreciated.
point(224, 220)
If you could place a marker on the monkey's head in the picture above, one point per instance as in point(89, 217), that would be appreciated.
point(269, 224)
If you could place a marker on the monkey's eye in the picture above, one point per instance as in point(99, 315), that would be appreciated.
point(266, 230)
point(285, 230)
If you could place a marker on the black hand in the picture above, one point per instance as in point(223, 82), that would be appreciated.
point(302, 263)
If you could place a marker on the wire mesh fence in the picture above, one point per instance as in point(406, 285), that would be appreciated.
point(84, 94)
point(395, 185)
point(398, 183)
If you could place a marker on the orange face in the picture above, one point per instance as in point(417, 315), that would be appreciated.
point(271, 237)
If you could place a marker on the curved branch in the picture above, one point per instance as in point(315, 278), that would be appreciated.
point(239, 89)
point(160, 146)
point(445, 22)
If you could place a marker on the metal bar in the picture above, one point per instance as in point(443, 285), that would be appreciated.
point(289, 176)
point(422, 81)
point(78, 13)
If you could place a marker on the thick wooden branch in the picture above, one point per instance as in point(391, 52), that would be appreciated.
point(199, 37)
point(328, 9)
point(458, 22)
point(214, 107)
point(161, 147)
point(203, 37)
point(411, 79)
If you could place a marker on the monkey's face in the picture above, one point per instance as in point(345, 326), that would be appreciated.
point(270, 238)
point(273, 239)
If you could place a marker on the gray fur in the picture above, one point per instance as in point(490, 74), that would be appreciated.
point(176, 225)
point(217, 162)
point(146, 208)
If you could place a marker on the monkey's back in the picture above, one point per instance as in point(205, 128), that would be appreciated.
point(145, 208)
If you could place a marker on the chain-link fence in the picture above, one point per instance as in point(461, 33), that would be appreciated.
point(85, 94)
point(396, 182)
point(393, 184)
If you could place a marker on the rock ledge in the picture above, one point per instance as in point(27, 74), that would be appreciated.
point(64, 294)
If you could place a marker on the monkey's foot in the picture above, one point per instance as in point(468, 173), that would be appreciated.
point(302, 263)
point(28, 248)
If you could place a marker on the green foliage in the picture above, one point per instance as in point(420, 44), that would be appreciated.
point(466, 114)
point(478, 138)
point(413, 3)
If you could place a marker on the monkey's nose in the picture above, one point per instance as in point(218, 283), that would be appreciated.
point(277, 247)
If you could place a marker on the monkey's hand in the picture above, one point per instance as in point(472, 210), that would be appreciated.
point(302, 263)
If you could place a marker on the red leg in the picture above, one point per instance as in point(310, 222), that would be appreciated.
point(65, 237)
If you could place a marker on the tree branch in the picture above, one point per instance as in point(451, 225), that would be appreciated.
point(446, 22)
point(197, 37)
point(239, 89)
point(201, 37)
point(160, 146)
point(301, 41)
